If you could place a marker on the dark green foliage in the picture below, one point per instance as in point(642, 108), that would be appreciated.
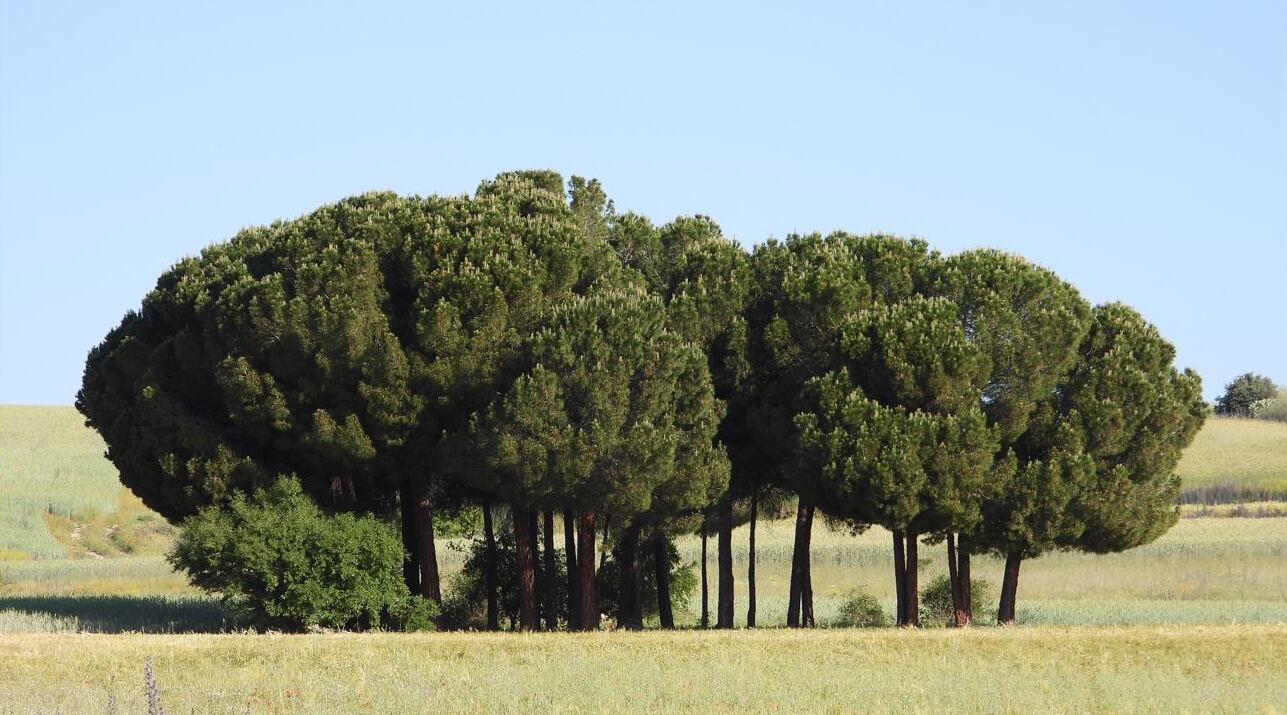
point(615, 412)
point(282, 564)
point(897, 434)
point(1136, 413)
point(936, 599)
point(1242, 396)
point(861, 610)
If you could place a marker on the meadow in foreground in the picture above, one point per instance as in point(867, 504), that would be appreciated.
point(1142, 669)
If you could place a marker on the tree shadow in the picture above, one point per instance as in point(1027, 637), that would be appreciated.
point(122, 614)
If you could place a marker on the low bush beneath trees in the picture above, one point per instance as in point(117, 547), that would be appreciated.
point(280, 563)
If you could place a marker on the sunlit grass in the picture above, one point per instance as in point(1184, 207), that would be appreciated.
point(1024, 670)
point(1237, 451)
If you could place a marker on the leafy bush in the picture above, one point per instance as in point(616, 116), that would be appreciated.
point(936, 600)
point(280, 563)
point(861, 610)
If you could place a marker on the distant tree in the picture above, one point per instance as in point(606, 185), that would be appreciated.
point(1242, 395)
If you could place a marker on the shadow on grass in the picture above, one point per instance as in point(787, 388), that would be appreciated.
point(121, 614)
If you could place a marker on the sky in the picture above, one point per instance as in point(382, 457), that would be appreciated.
point(1137, 149)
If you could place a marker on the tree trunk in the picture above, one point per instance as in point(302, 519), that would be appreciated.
point(797, 566)
point(724, 557)
point(589, 608)
point(706, 605)
point(750, 560)
point(410, 563)
point(900, 579)
point(806, 573)
point(912, 611)
point(630, 601)
point(661, 573)
point(1009, 590)
point(489, 570)
point(963, 573)
point(551, 590)
point(526, 566)
point(533, 538)
point(954, 580)
point(426, 551)
point(574, 581)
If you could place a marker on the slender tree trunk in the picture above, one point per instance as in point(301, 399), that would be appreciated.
point(489, 571)
point(630, 603)
point(410, 563)
point(589, 608)
point(1009, 590)
point(806, 574)
point(912, 610)
point(797, 566)
point(954, 580)
point(900, 579)
point(963, 573)
point(426, 551)
point(551, 589)
point(526, 567)
point(706, 604)
point(724, 606)
point(574, 580)
point(661, 573)
point(750, 560)
point(533, 538)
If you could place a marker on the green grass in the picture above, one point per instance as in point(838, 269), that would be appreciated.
point(1237, 452)
point(50, 463)
point(1140, 670)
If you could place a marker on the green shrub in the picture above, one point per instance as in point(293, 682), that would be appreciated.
point(683, 582)
point(936, 600)
point(280, 563)
point(1241, 395)
point(861, 610)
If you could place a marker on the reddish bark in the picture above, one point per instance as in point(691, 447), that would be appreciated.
point(797, 566)
point(526, 568)
point(410, 564)
point(911, 591)
point(426, 551)
point(706, 591)
point(806, 573)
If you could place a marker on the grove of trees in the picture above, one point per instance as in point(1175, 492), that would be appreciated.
point(531, 353)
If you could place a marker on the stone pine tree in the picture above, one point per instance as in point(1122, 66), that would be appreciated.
point(1026, 324)
point(704, 279)
point(897, 435)
point(1098, 457)
point(613, 415)
point(271, 354)
point(805, 290)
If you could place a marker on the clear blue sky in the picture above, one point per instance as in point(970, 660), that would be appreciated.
point(1138, 149)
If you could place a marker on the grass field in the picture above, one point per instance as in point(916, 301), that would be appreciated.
point(1231, 453)
point(1158, 669)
